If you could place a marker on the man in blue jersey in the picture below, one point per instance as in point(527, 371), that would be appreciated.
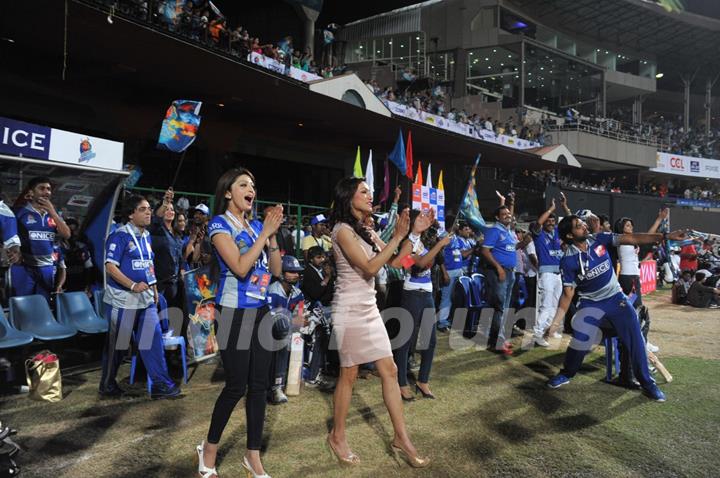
point(8, 233)
point(38, 224)
point(498, 250)
point(131, 298)
point(284, 296)
point(587, 268)
point(457, 261)
point(548, 250)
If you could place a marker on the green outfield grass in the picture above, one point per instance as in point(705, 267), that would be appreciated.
point(493, 417)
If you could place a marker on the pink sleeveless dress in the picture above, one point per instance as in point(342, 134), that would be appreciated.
point(358, 329)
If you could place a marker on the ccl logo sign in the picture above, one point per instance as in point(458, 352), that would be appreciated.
point(677, 163)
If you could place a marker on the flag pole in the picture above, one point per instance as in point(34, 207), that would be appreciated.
point(467, 187)
point(177, 171)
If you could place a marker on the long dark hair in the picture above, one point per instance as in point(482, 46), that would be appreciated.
point(341, 210)
point(220, 206)
point(175, 231)
point(223, 186)
point(620, 225)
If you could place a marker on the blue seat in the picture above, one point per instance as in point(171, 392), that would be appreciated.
point(465, 297)
point(169, 342)
point(31, 314)
point(98, 296)
point(74, 309)
point(479, 290)
point(9, 336)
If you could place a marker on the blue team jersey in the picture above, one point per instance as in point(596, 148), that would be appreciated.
point(591, 272)
point(232, 290)
point(419, 279)
point(453, 253)
point(132, 253)
point(37, 236)
point(279, 299)
point(8, 227)
point(502, 243)
point(548, 249)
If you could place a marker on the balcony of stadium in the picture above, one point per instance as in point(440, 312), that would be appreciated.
point(606, 84)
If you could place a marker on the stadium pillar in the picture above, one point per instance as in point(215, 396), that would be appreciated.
point(308, 16)
point(686, 104)
point(637, 109)
point(708, 102)
point(460, 72)
point(522, 74)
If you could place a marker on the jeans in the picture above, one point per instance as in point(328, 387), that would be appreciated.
point(618, 311)
point(417, 302)
point(446, 298)
point(247, 369)
point(502, 293)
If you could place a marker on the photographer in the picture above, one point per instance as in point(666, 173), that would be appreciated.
point(318, 286)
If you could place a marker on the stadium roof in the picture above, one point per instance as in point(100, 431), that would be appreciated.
point(680, 41)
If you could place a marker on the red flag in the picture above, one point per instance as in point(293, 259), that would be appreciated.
point(386, 184)
point(409, 156)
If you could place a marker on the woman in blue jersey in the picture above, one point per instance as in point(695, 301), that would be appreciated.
point(417, 298)
point(247, 253)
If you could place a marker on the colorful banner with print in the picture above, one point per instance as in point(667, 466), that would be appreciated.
point(200, 293)
point(687, 166)
point(18, 138)
point(648, 276)
point(425, 198)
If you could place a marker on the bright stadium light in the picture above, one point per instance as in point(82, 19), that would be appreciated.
point(659, 75)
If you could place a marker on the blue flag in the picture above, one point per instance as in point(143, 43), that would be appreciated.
point(180, 126)
point(397, 155)
point(469, 207)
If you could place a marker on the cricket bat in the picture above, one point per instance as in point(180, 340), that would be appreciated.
point(294, 378)
point(658, 365)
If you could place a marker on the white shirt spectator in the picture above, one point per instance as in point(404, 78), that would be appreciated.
point(629, 262)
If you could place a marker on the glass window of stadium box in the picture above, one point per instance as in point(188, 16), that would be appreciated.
point(442, 66)
point(556, 82)
point(403, 51)
point(494, 72)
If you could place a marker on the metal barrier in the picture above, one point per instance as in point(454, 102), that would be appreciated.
point(299, 211)
point(608, 133)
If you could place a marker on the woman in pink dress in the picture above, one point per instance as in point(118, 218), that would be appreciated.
point(358, 328)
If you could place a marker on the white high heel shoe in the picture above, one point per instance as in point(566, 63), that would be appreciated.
point(249, 470)
point(203, 470)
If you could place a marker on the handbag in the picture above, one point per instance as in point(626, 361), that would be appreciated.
point(43, 377)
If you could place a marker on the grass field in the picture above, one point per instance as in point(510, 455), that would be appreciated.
point(493, 417)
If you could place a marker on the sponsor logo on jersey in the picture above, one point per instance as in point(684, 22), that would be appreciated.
point(41, 236)
point(141, 265)
point(600, 250)
point(598, 270)
point(30, 220)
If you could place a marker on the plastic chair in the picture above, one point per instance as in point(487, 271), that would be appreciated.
point(31, 314)
point(98, 296)
point(74, 309)
point(465, 297)
point(168, 342)
point(479, 290)
point(9, 336)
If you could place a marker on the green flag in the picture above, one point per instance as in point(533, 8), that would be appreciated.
point(357, 169)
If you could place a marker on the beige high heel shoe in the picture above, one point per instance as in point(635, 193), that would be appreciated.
point(414, 461)
point(351, 460)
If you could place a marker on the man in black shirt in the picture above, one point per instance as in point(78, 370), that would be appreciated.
point(701, 295)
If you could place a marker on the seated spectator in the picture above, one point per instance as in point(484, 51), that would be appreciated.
point(681, 287)
point(318, 237)
point(284, 296)
point(701, 295)
point(79, 264)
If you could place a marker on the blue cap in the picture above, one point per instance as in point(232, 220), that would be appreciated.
point(291, 264)
point(318, 219)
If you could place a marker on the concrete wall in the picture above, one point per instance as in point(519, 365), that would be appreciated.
point(599, 147)
point(642, 209)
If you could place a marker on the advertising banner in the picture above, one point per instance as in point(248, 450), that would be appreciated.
point(648, 276)
point(687, 166)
